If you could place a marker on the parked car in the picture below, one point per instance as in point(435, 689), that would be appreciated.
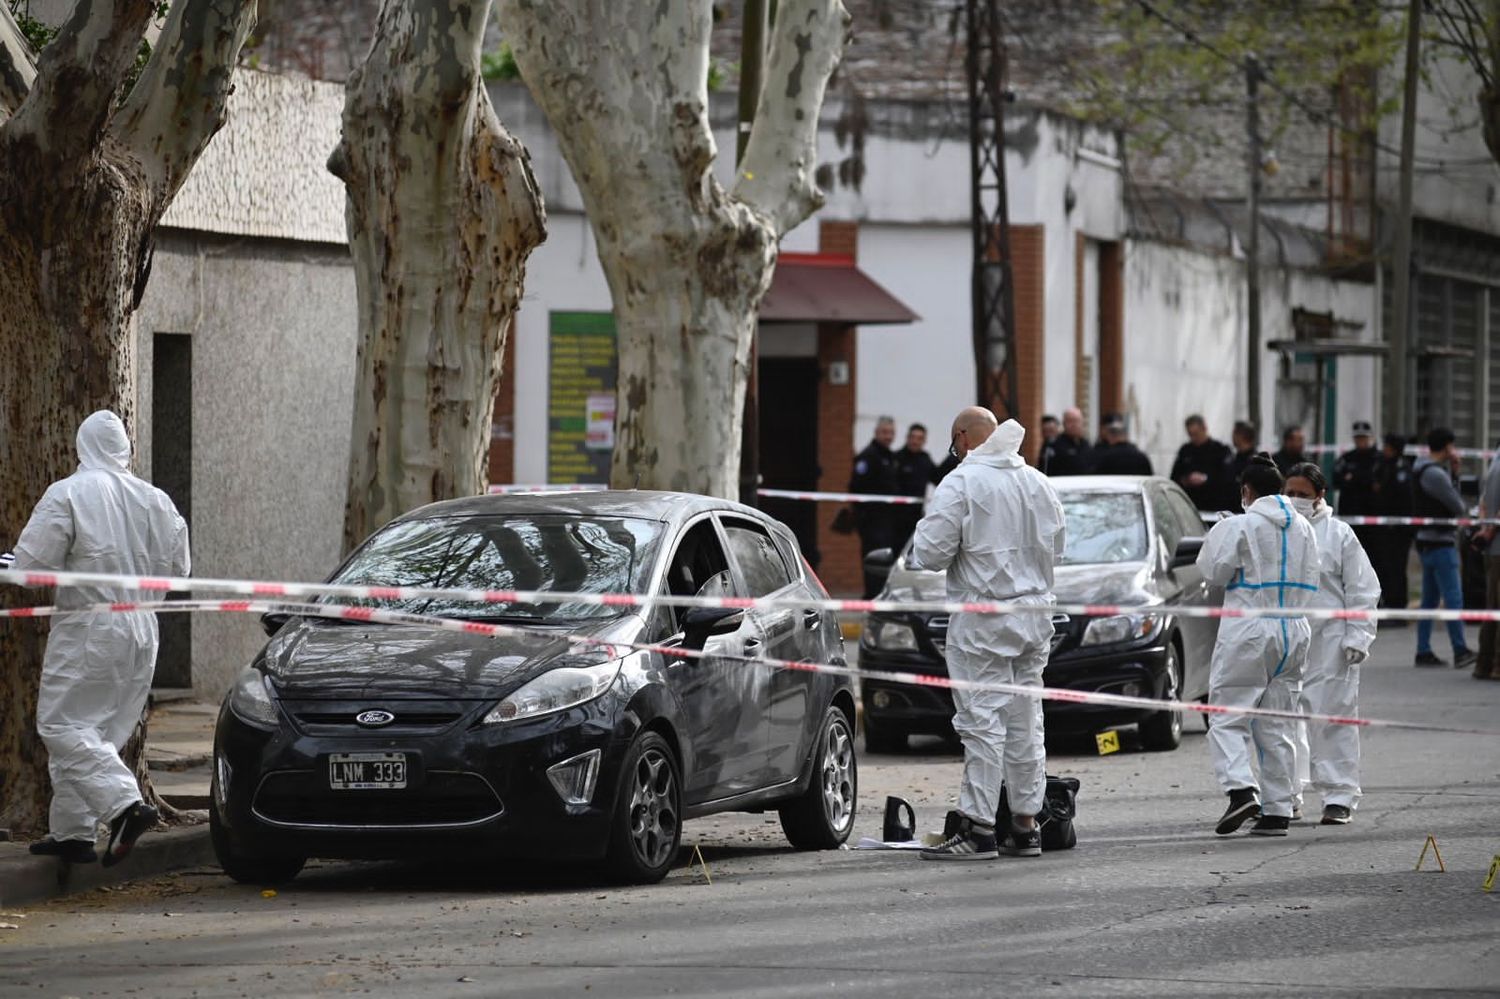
point(1131, 541)
point(355, 740)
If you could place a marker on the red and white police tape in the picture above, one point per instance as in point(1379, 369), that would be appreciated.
point(374, 616)
point(343, 591)
point(816, 497)
point(1412, 450)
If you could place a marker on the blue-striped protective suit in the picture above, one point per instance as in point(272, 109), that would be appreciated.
point(1268, 557)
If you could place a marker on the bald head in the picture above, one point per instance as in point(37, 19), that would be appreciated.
point(1073, 422)
point(971, 428)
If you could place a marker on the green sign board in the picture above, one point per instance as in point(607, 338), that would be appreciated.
point(580, 396)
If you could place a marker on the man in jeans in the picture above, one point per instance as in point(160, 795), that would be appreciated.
point(1489, 506)
point(1436, 495)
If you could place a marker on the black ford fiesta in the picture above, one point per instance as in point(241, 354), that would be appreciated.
point(358, 740)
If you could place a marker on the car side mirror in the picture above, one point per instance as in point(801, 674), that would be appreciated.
point(700, 624)
point(878, 563)
point(1186, 553)
point(273, 622)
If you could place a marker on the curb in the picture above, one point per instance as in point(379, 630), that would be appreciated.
point(26, 879)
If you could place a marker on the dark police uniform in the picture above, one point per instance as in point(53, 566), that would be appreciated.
point(1394, 498)
point(915, 471)
point(1210, 458)
point(1065, 455)
point(875, 473)
point(1354, 476)
point(1123, 458)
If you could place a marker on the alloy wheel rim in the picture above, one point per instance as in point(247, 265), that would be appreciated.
point(653, 809)
point(1173, 692)
point(838, 776)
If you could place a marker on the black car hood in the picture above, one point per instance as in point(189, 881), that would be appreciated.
point(1118, 583)
point(313, 658)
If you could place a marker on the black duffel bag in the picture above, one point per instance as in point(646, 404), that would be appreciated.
point(1059, 805)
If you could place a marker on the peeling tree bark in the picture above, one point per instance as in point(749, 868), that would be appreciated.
point(624, 84)
point(443, 211)
point(83, 183)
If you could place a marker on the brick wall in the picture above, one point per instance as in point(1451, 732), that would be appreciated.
point(503, 423)
point(840, 567)
point(1028, 253)
point(1111, 327)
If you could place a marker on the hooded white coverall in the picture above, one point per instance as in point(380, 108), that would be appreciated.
point(1267, 557)
point(97, 670)
point(1327, 754)
point(996, 527)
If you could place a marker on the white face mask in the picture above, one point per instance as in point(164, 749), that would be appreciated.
point(1306, 507)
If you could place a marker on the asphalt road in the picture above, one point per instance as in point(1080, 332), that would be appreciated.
point(1151, 902)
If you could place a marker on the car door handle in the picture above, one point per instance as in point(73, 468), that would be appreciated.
point(752, 646)
point(811, 618)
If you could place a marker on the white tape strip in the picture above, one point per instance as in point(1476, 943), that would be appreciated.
point(401, 618)
point(169, 584)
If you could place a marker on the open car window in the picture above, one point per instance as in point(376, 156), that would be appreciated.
point(563, 553)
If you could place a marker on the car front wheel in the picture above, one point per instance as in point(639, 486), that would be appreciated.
point(247, 868)
point(1163, 730)
point(822, 817)
point(647, 824)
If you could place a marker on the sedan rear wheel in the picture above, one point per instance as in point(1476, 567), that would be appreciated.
point(648, 813)
point(822, 817)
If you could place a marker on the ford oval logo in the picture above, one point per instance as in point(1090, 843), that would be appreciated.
point(374, 719)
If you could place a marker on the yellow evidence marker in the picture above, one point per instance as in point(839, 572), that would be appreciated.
point(1109, 742)
point(1489, 882)
point(1423, 855)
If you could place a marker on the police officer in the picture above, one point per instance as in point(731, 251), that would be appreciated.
point(1393, 492)
point(1201, 466)
point(1355, 475)
point(876, 473)
point(915, 471)
point(1068, 452)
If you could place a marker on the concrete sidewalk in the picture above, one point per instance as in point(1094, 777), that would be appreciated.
point(179, 750)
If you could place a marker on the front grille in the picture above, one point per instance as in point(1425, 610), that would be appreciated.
point(444, 798)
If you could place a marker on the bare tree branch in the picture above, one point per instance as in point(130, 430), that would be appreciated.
point(17, 67)
point(781, 157)
point(77, 77)
point(180, 100)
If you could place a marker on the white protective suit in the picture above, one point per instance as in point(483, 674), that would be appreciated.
point(1328, 755)
point(996, 526)
point(97, 670)
point(1268, 557)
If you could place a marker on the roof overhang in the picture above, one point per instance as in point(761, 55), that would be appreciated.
point(1331, 348)
point(829, 288)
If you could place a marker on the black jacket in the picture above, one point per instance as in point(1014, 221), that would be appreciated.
point(1065, 456)
point(1123, 458)
point(1285, 460)
point(1238, 462)
point(1393, 487)
point(1355, 476)
point(915, 471)
point(1210, 458)
point(875, 473)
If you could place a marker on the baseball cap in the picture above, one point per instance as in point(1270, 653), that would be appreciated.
point(1362, 428)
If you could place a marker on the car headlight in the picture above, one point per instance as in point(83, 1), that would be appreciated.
point(889, 636)
point(556, 690)
point(1118, 629)
point(251, 699)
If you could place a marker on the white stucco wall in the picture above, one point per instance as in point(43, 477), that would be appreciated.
point(1184, 331)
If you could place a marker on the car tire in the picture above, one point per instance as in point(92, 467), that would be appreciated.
point(1162, 732)
point(246, 868)
point(822, 817)
point(882, 738)
point(646, 829)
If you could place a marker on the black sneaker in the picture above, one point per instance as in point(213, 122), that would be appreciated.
point(1428, 660)
point(968, 841)
point(125, 829)
point(1464, 659)
point(1336, 815)
point(1243, 806)
point(1270, 825)
point(1023, 842)
point(69, 851)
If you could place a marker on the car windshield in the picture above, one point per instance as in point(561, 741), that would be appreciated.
point(1103, 527)
point(564, 553)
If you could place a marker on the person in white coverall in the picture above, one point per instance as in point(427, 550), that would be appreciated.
point(996, 527)
point(97, 670)
point(1266, 557)
point(1328, 754)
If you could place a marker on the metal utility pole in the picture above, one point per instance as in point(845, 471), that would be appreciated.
point(1401, 252)
point(993, 297)
point(1252, 249)
point(752, 72)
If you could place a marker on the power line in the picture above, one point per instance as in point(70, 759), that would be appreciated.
point(1286, 95)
